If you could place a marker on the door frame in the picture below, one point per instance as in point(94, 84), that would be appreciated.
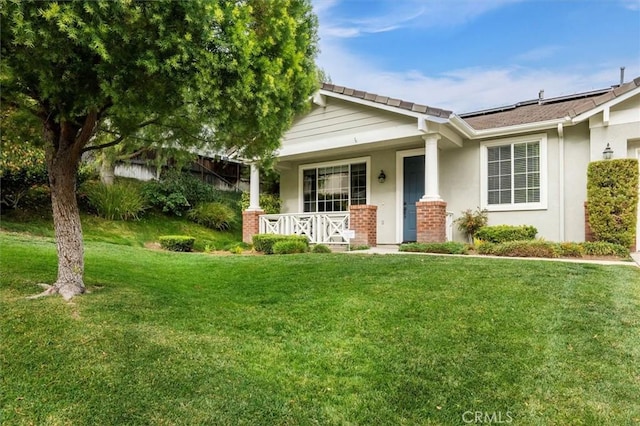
point(400, 155)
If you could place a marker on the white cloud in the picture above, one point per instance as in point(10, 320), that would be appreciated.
point(467, 89)
point(631, 4)
point(388, 15)
point(464, 89)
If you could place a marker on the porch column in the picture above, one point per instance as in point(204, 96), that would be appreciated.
point(254, 188)
point(251, 216)
point(431, 175)
point(431, 210)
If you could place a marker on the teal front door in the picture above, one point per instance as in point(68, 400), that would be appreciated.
point(413, 183)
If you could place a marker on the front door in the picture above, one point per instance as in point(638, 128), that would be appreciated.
point(413, 184)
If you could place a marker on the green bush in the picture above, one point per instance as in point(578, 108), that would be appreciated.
point(290, 247)
point(120, 201)
point(450, 247)
point(213, 215)
point(570, 249)
point(176, 192)
point(603, 248)
point(177, 242)
point(530, 248)
point(483, 247)
point(470, 222)
point(504, 233)
point(22, 167)
point(612, 200)
point(268, 202)
point(320, 248)
point(264, 242)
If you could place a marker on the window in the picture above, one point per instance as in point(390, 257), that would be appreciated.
point(513, 174)
point(333, 187)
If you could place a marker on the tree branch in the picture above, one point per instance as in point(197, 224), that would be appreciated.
point(119, 139)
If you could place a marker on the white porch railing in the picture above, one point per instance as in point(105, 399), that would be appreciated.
point(325, 228)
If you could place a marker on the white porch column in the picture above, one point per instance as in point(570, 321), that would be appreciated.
point(431, 184)
point(254, 188)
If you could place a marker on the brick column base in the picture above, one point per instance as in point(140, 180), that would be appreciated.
point(250, 224)
point(431, 221)
point(364, 220)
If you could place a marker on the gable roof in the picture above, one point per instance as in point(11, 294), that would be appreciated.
point(385, 100)
point(534, 111)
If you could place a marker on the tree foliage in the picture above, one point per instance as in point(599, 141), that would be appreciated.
point(201, 71)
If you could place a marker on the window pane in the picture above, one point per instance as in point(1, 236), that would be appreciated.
point(358, 184)
point(505, 197)
point(520, 181)
point(520, 195)
point(493, 197)
point(533, 195)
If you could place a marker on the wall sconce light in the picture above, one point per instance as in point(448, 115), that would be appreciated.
point(382, 177)
point(607, 153)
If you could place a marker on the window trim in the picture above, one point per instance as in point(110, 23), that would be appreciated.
point(347, 161)
point(541, 138)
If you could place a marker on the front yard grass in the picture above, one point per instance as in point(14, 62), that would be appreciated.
point(174, 338)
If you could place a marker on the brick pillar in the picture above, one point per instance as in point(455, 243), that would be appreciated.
point(588, 234)
point(431, 221)
point(250, 224)
point(364, 220)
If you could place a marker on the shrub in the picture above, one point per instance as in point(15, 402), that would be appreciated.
point(320, 248)
point(612, 200)
point(535, 248)
point(236, 249)
point(504, 233)
point(603, 248)
point(290, 247)
point(450, 247)
point(268, 202)
point(213, 215)
point(470, 222)
point(483, 247)
point(176, 192)
point(177, 242)
point(570, 249)
point(264, 242)
point(22, 166)
point(359, 247)
point(120, 201)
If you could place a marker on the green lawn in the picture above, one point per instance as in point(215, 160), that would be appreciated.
point(172, 338)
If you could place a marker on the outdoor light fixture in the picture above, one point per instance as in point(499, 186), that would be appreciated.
point(607, 153)
point(382, 177)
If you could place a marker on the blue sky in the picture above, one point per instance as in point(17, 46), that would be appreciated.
point(467, 55)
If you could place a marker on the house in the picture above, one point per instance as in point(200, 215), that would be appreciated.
point(396, 171)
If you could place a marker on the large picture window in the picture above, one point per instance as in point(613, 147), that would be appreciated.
point(334, 187)
point(513, 174)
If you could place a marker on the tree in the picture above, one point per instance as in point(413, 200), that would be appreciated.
point(242, 68)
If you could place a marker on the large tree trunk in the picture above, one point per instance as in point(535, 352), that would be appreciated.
point(65, 142)
point(66, 221)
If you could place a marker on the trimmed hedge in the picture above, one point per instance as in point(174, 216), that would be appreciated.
point(290, 247)
point(177, 242)
point(264, 242)
point(504, 233)
point(526, 248)
point(612, 200)
point(547, 249)
point(603, 248)
point(450, 247)
point(320, 248)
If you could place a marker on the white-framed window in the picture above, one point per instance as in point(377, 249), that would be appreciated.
point(334, 186)
point(514, 173)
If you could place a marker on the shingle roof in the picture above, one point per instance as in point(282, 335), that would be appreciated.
point(547, 109)
point(385, 100)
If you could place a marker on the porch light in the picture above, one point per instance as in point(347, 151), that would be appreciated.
point(607, 153)
point(382, 177)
